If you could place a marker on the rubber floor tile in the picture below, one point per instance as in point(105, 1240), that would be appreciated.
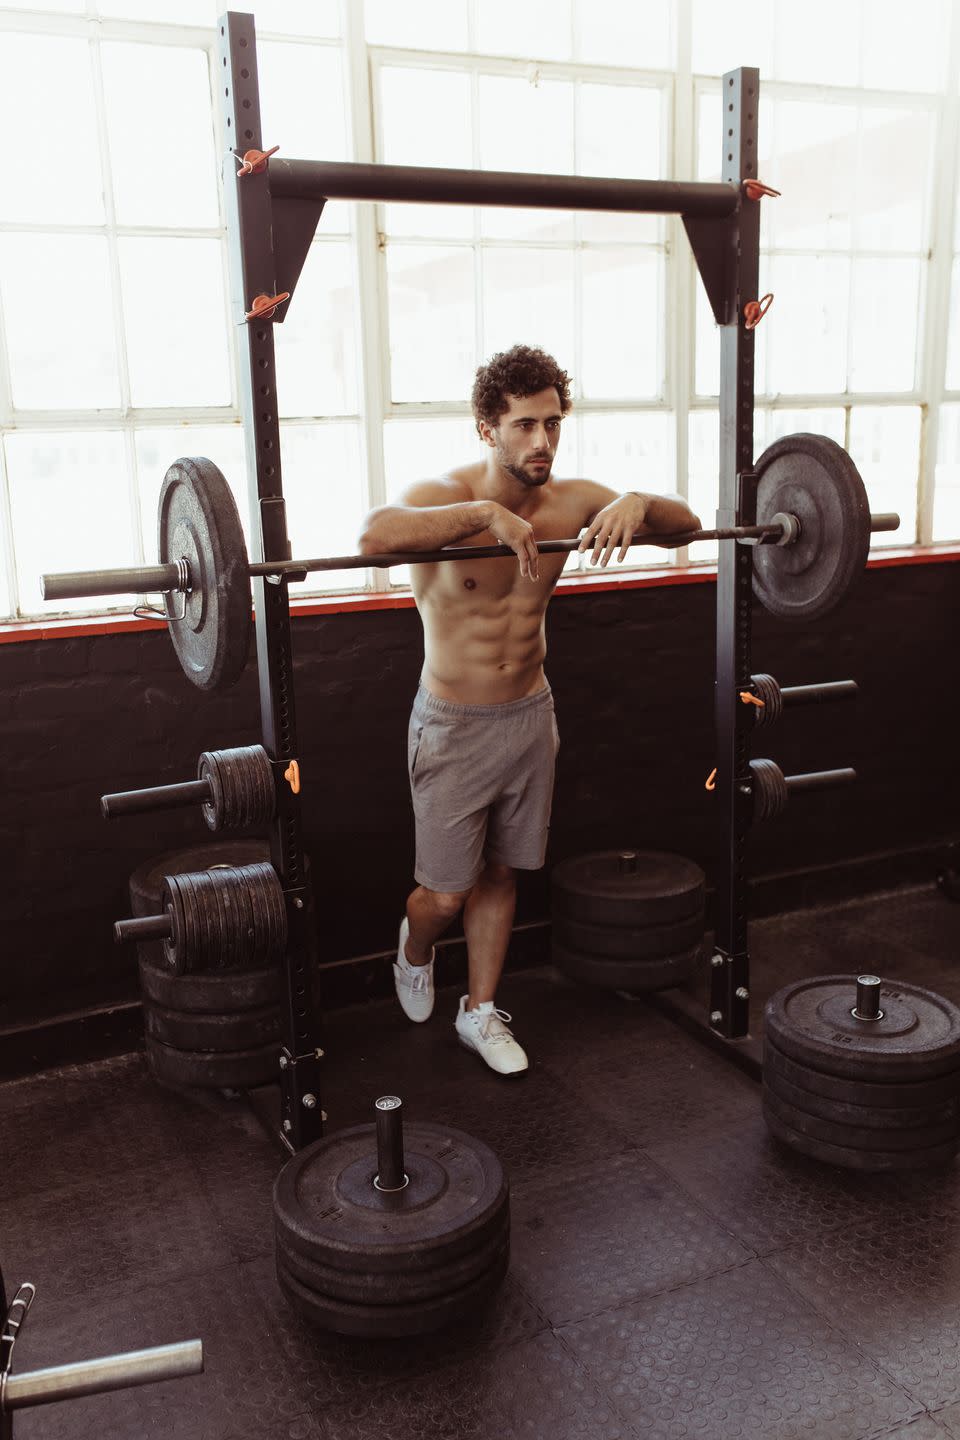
point(926, 1428)
point(925, 920)
point(244, 1392)
point(736, 1356)
point(769, 1196)
point(893, 1289)
point(237, 1165)
point(334, 1369)
point(113, 1230)
point(536, 1391)
point(616, 1232)
point(949, 1418)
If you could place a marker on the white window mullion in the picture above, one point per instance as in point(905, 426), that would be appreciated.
point(6, 537)
point(681, 269)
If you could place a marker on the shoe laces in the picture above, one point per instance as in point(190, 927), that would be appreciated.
point(500, 1018)
point(421, 980)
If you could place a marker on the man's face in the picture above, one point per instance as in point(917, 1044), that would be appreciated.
point(527, 436)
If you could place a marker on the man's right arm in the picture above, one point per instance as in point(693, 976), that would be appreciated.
point(430, 518)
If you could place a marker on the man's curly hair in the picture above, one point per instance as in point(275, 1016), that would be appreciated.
point(522, 370)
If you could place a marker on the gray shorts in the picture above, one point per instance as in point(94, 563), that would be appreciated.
point(481, 777)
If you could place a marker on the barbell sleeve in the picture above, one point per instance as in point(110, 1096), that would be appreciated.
point(820, 780)
point(147, 579)
point(814, 694)
point(145, 927)
point(158, 797)
point(111, 1372)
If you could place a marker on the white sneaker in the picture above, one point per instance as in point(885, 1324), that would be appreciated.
point(485, 1030)
point(414, 983)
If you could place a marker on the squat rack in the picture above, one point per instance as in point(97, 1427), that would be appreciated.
point(273, 207)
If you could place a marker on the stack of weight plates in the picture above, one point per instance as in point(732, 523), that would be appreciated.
point(866, 1094)
point(217, 1030)
point(357, 1260)
point(628, 919)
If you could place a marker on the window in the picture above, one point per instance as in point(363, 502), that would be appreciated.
point(117, 337)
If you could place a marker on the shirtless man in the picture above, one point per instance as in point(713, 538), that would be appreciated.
point(483, 740)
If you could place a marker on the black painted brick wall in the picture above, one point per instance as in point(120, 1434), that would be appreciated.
point(632, 672)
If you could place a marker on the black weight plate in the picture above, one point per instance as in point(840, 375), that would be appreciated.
point(213, 810)
point(879, 1118)
point(394, 1321)
point(203, 1070)
point(919, 1035)
point(370, 1287)
point(328, 1209)
point(613, 974)
point(183, 941)
point(197, 956)
point(650, 942)
point(226, 993)
point(207, 896)
point(191, 1031)
point(662, 889)
point(238, 919)
point(198, 522)
point(859, 1137)
point(874, 1094)
point(865, 1160)
point(147, 880)
point(813, 478)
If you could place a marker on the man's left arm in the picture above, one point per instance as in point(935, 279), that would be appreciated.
point(613, 520)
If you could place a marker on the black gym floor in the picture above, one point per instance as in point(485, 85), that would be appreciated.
point(674, 1272)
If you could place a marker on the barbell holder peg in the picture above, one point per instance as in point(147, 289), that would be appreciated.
point(816, 694)
point(145, 927)
point(163, 579)
point(158, 797)
point(820, 780)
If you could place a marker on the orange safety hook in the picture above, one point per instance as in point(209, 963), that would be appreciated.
point(255, 161)
point(749, 699)
point(755, 190)
point(754, 311)
point(264, 306)
point(292, 776)
point(711, 783)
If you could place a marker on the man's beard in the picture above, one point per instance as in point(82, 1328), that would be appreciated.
point(518, 472)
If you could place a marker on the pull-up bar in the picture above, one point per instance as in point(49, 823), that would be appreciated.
point(423, 184)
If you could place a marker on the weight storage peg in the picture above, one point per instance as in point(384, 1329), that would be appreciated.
point(811, 539)
point(773, 699)
point(234, 787)
point(386, 1232)
point(225, 918)
point(772, 789)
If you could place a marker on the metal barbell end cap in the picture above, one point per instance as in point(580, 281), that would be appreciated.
point(716, 1016)
point(742, 993)
point(717, 961)
point(790, 526)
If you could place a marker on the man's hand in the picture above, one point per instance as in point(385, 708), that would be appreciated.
point(511, 530)
point(615, 525)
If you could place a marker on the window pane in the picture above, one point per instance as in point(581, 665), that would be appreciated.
point(528, 298)
point(894, 164)
point(431, 314)
point(428, 25)
point(725, 36)
point(631, 452)
point(526, 125)
point(410, 101)
point(58, 305)
point(539, 29)
point(301, 100)
point(179, 185)
point(619, 134)
point(83, 481)
point(175, 12)
point(802, 51)
point(176, 321)
point(806, 331)
point(953, 334)
point(703, 478)
point(316, 346)
point(622, 310)
point(903, 46)
point(323, 482)
point(946, 494)
point(884, 321)
point(814, 165)
point(53, 175)
point(885, 447)
point(299, 17)
point(707, 361)
point(607, 32)
point(770, 425)
point(427, 449)
point(157, 448)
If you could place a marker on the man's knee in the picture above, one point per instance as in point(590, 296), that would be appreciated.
point(446, 903)
point(496, 873)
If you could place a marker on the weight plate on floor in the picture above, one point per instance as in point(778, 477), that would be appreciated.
point(919, 1034)
point(614, 974)
point(608, 888)
point(226, 993)
point(397, 1320)
point(814, 479)
point(186, 1030)
point(203, 1070)
point(199, 523)
point(871, 1093)
point(880, 1118)
point(923, 1137)
point(374, 1287)
point(850, 1159)
point(328, 1209)
point(649, 942)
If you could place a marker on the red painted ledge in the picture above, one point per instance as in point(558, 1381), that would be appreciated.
point(18, 630)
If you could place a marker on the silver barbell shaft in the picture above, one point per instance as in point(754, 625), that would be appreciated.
point(112, 1372)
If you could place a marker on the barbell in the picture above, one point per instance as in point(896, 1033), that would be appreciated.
point(812, 533)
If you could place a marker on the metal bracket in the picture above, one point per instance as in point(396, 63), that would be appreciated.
point(713, 243)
